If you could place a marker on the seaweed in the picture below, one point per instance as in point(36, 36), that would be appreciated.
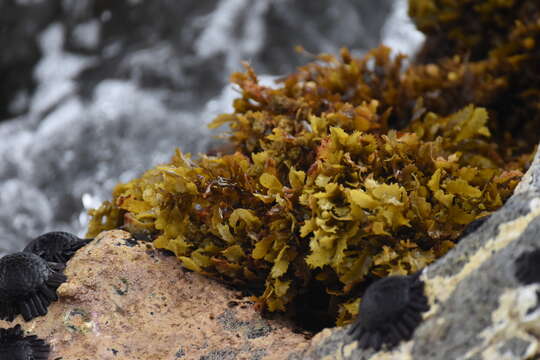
point(349, 170)
point(331, 204)
point(484, 52)
point(472, 27)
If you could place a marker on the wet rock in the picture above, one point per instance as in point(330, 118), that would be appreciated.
point(196, 45)
point(188, 47)
point(20, 24)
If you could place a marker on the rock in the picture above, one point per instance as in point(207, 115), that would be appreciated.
point(479, 309)
point(190, 45)
point(187, 47)
point(20, 24)
point(126, 300)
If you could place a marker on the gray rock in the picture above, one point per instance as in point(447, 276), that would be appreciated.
point(191, 45)
point(479, 310)
point(20, 24)
point(184, 46)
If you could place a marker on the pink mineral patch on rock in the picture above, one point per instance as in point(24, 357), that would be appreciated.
point(126, 300)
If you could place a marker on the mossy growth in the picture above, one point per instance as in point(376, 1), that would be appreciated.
point(351, 169)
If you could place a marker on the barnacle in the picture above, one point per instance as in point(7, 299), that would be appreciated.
point(15, 346)
point(27, 285)
point(390, 311)
point(57, 246)
point(527, 267)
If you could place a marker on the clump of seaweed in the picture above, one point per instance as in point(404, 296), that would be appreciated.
point(484, 52)
point(472, 27)
point(352, 169)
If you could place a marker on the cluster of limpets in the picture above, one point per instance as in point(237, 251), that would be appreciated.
point(28, 283)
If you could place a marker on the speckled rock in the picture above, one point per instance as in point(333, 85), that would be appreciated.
point(479, 310)
point(126, 300)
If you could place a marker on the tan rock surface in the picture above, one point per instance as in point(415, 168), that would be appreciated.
point(126, 300)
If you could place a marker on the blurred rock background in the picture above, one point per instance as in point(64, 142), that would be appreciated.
point(93, 92)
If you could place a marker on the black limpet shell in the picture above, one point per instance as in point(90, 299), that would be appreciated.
point(15, 346)
point(390, 311)
point(527, 267)
point(27, 285)
point(56, 246)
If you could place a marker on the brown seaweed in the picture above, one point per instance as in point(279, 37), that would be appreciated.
point(349, 170)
